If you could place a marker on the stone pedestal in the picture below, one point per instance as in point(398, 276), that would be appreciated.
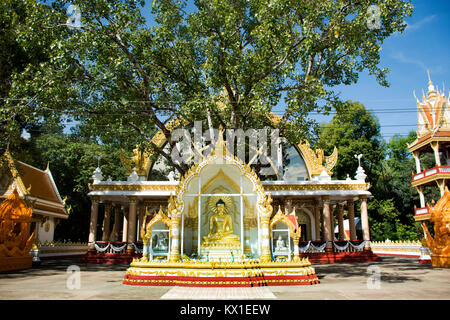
point(221, 255)
point(15, 263)
point(220, 251)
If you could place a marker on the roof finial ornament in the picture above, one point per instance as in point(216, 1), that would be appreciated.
point(358, 156)
point(360, 174)
point(430, 84)
point(98, 160)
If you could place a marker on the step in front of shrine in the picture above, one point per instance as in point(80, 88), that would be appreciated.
point(215, 274)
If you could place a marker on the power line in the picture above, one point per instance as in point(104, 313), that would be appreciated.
point(277, 112)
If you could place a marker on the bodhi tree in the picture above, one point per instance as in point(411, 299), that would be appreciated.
point(126, 68)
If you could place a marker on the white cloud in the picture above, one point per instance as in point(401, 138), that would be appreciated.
point(415, 26)
point(399, 56)
point(420, 23)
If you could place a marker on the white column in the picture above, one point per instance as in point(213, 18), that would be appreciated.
point(435, 147)
point(175, 243)
point(421, 197)
point(416, 156)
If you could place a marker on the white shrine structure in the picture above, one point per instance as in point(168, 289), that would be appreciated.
point(132, 219)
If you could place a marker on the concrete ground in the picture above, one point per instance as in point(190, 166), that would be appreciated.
point(393, 278)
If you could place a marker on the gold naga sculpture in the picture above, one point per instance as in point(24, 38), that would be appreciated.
point(440, 244)
point(15, 240)
point(316, 161)
point(140, 160)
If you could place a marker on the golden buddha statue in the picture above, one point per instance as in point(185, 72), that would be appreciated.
point(223, 236)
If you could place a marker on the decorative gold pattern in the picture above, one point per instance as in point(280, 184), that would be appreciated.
point(267, 187)
point(140, 161)
point(316, 187)
point(132, 187)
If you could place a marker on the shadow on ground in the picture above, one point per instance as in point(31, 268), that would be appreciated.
point(392, 270)
point(57, 266)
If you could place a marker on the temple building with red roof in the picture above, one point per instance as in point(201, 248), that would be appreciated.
point(39, 190)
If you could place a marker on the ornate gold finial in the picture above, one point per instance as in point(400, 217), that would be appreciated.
point(429, 78)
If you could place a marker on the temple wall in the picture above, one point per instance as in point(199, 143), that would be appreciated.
point(53, 250)
point(397, 248)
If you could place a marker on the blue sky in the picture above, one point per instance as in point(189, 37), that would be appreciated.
point(424, 45)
